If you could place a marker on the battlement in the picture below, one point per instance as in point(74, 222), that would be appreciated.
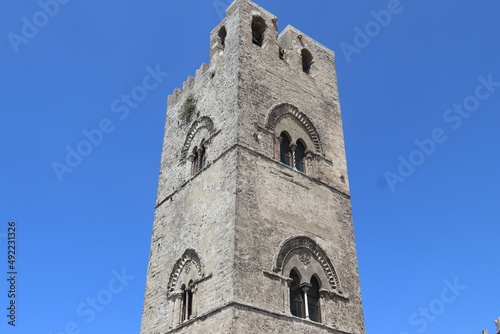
point(249, 30)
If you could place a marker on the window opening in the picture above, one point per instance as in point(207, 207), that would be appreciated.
point(258, 28)
point(282, 53)
point(195, 161)
point(187, 304)
point(313, 301)
point(296, 299)
point(285, 154)
point(300, 153)
point(307, 60)
point(184, 303)
point(222, 36)
point(199, 158)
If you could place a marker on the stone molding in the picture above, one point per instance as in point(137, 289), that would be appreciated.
point(203, 122)
point(308, 245)
point(255, 309)
point(189, 256)
point(287, 109)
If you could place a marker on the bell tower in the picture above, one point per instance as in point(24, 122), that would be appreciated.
point(253, 230)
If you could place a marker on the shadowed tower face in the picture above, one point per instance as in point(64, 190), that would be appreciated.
point(253, 230)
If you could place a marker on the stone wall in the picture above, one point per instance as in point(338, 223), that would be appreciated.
point(218, 232)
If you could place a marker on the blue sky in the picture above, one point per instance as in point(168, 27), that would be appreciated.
point(420, 94)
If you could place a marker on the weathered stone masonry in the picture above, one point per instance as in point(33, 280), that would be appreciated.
point(253, 229)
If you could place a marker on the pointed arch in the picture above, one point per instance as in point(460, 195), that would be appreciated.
point(311, 247)
point(189, 256)
point(287, 109)
point(204, 122)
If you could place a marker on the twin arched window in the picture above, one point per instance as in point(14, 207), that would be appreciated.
point(292, 155)
point(304, 298)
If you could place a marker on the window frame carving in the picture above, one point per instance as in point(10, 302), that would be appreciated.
point(187, 273)
point(302, 255)
point(203, 122)
point(189, 255)
point(283, 109)
point(295, 244)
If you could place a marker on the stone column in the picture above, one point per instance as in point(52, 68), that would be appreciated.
point(285, 283)
point(292, 154)
point(309, 159)
point(305, 287)
point(189, 165)
point(194, 305)
point(277, 148)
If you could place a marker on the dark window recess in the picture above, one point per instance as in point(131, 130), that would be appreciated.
point(296, 299)
point(300, 156)
point(307, 60)
point(258, 29)
point(313, 301)
point(285, 154)
point(199, 159)
point(282, 54)
point(222, 36)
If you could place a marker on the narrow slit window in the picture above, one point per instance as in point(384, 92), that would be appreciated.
point(313, 301)
point(300, 154)
point(296, 298)
point(258, 29)
point(194, 168)
point(184, 303)
point(189, 302)
point(307, 60)
point(199, 158)
point(222, 36)
point(285, 153)
point(282, 53)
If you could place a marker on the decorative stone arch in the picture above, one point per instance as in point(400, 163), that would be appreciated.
point(186, 262)
point(204, 122)
point(278, 112)
point(306, 249)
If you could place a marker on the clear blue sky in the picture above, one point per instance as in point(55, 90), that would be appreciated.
point(423, 170)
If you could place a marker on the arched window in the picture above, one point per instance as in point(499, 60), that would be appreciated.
point(307, 60)
point(296, 299)
point(313, 300)
point(187, 303)
point(198, 158)
point(300, 154)
point(285, 153)
point(222, 36)
point(258, 29)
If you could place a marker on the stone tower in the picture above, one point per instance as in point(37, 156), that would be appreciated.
point(253, 230)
